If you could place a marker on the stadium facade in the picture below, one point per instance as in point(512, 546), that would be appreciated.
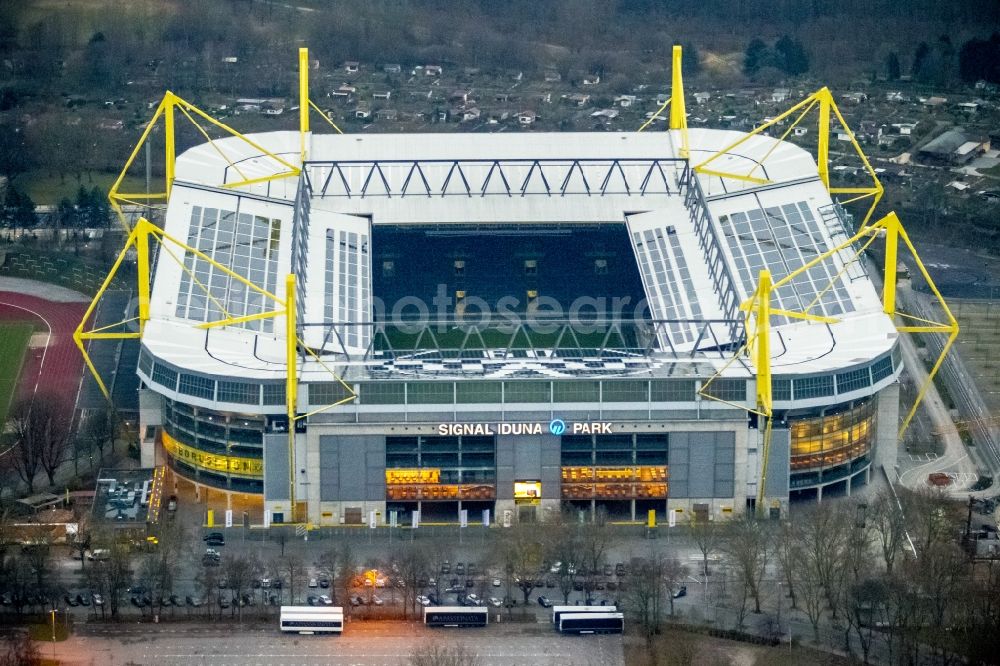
point(561, 399)
point(511, 322)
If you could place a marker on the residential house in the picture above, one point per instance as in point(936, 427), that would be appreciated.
point(527, 118)
point(362, 112)
point(607, 114)
point(904, 129)
point(954, 147)
point(856, 97)
point(780, 95)
point(386, 114)
point(230, 60)
point(552, 76)
point(459, 97)
point(662, 98)
point(392, 68)
point(800, 131)
point(432, 70)
point(351, 66)
point(580, 99)
point(968, 107)
point(470, 114)
point(383, 95)
point(625, 101)
point(273, 109)
point(701, 97)
point(934, 101)
point(591, 79)
point(895, 96)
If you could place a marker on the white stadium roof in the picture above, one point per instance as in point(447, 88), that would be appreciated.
point(527, 178)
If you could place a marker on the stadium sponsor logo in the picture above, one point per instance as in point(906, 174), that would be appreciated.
point(555, 427)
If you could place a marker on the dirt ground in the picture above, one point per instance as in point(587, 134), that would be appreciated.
point(681, 648)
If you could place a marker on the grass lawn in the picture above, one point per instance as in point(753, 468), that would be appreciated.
point(50, 189)
point(14, 338)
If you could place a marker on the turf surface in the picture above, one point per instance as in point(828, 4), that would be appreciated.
point(14, 337)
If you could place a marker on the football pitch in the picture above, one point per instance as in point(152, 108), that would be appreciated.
point(14, 337)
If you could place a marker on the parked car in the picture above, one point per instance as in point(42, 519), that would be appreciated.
point(97, 599)
point(377, 600)
point(324, 582)
point(83, 599)
point(99, 554)
point(313, 583)
point(496, 603)
point(469, 582)
point(620, 569)
point(423, 600)
point(496, 582)
point(607, 570)
point(356, 600)
point(312, 600)
point(325, 600)
point(71, 600)
point(194, 602)
point(213, 536)
point(172, 503)
point(265, 583)
point(460, 569)
point(223, 602)
point(434, 598)
point(556, 566)
point(682, 591)
point(544, 602)
point(276, 583)
point(470, 569)
point(445, 568)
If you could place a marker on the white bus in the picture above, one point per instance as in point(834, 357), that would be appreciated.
point(557, 611)
point(312, 620)
point(456, 616)
point(591, 623)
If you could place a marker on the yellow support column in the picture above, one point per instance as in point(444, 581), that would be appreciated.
point(678, 113)
point(170, 155)
point(142, 265)
point(823, 147)
point(762, 343)
point(303, 100)
point(891, 225)
point(291, 383)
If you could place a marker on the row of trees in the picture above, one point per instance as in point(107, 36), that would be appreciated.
point(889, 574)
point(787, 55)
point(45, 437)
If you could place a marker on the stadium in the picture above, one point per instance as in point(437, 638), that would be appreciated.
point(518, 323)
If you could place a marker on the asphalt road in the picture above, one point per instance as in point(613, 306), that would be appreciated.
point(364, 644)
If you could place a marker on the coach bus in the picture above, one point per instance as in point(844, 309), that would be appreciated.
point(456, 616)
point(557, 611)
point(591, 623)
point(312, 620)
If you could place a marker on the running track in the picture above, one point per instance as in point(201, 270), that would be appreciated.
point(57, 368)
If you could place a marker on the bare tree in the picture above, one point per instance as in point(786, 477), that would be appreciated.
point(747, 548)
point(594, 539)
point(111, 576)
point(292, 571)
point(239, 575)
point(19, 650)
point(436, 654)
point(100, 429)
point(347, 565)
point(707, 536)
point(889, 525)
point(644, 594)
point(787, 553)
point(414, 565)
point(522, 557)
point(673, 575)
point(562, 545)
point(42, 427)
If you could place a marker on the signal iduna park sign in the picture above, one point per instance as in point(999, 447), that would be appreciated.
point(553, 427)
